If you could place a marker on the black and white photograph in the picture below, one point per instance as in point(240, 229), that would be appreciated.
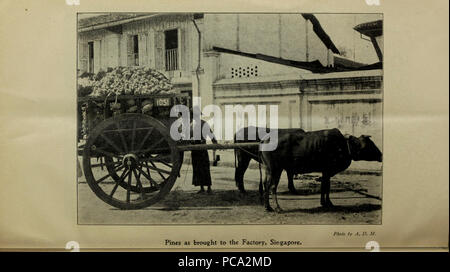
point(224, 127)
point(311, 84)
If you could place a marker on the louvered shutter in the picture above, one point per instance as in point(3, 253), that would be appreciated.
point(83, 54)
point(97, 55)
point(183, 52)
point(159, 50)
point(142, 50)
point(150, 50)
point(130, 56)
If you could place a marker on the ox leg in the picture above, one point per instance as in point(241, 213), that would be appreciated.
point(290, 176)
point(274, 192)
point(242, 165)
point(325, 191)
point(261, 186)
point(267, 180)
point(271, 181)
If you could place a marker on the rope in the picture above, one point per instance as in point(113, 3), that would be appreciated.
point(248, 152)
point(348, 147)
point(362, 193)
point(260, 174)
point(186, 171)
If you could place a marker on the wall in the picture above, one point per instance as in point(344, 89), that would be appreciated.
point(111, 49)
point(316, 48)
point(293, 44)
point(234, 65)
point(349, 101)
point(281, 91)
point(277, 35)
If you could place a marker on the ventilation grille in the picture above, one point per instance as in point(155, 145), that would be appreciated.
point(244, 71)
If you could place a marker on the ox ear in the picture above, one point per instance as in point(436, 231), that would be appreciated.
point(365, 136)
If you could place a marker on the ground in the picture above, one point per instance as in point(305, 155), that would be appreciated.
point(357, 200)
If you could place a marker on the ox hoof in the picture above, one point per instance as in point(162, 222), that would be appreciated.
point(269, 209)
point(278, 210)
point(293, 191)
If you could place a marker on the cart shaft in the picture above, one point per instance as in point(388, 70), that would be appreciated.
point(216, 146)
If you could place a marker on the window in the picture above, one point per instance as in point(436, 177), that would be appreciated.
point(241, 71)
point(90, 57)
point(171, 49)
point(136, 50)
point(133, 50)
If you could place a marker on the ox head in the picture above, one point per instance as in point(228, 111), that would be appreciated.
point(364, 149)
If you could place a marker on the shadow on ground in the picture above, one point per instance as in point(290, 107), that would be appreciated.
point(220, 199)
point(338, 209)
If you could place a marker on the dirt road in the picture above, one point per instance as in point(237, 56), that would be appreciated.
point(357, 200)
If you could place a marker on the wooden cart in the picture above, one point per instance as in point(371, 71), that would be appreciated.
point(130, 160)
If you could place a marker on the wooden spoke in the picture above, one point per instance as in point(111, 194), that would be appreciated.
point(118, 168)
point(108, 175)
point(148, 172)
point(159, 158)
point(122, 177)
point(139, 184)
point(153, 146)
point(149, 132)
point(101, 164)
point(122, 138)
point(152, 181)
point(156, 169)
point(133, 134)
point(163, 162)
point(129, 187)
point(111, 143)
point(164, 178)
point(106, 153)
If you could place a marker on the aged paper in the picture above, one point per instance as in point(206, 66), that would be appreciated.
point(44, 205)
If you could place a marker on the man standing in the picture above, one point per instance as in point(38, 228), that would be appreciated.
point(201, 175)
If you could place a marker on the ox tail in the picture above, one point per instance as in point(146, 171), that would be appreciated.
point(261, 185)
point(260, 173)
point(235, 159)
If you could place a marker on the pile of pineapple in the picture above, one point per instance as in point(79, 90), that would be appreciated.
point(124, 80)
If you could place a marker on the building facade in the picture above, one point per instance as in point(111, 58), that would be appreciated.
point(245, 59)
point(178, 44)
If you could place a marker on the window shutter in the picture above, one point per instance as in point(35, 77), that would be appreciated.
point(183, 51)
point(142, 50)
point(130, 59)
point(150, 50)
point(83, 53)
point(97, 55)
point(159, 50)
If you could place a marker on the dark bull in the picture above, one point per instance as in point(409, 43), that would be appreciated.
point(244, 155)
point(325, 151)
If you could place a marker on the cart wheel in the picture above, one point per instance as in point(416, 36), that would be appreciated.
point(110, 163)
point(142, 161)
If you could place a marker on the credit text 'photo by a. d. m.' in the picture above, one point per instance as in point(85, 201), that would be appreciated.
point(229, 118)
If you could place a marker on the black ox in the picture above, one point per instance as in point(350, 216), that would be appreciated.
point(244, 155)
point(325, 151)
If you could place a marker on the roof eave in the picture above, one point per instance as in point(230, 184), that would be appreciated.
point(129, 20)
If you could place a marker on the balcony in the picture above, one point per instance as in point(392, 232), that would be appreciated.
point(171, 59)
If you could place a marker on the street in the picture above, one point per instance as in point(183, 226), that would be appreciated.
point(357, 200)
